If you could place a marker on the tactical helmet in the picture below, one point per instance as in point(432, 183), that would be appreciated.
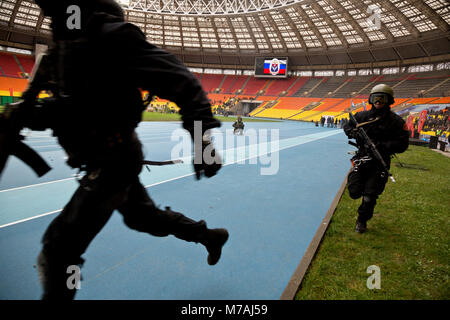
point(383, 93)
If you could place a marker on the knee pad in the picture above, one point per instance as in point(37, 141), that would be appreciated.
point(368, 204)
point(354, 185)
point(370, 199)
point(354, 194)
point(354, 190)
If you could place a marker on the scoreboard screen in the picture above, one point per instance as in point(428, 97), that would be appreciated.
point(271, 67)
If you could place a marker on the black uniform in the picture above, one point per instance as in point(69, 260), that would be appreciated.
point(238, 126)
point(99, 71)
point(390, 135)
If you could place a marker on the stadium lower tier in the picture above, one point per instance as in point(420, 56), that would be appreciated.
point(293, 108)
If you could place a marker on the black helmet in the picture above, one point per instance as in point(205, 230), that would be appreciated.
point(383, 93)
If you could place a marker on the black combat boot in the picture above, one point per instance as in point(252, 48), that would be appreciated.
point(214, 240)
point(361, 226)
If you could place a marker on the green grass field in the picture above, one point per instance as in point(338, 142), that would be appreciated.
point(408, 238)
point(156, 116)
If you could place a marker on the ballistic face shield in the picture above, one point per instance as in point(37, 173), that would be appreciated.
point(381, 93)
point(382, 98)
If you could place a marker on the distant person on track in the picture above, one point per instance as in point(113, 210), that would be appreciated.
point(389, 133)
point(99, 65)
point(238, 126)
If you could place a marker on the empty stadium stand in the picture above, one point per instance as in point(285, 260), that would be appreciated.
point(25, 62)
point(297, 85)
point(278, 86)
point(255, 85)
point(308, 86)
point(353, 86)
point(211, 82)
point(9, 66)
point(296, 98)
point(326, 88)
point(234, 83)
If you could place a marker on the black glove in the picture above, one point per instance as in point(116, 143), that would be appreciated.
point(351, 132)
point(360, 139)
point(207, 163)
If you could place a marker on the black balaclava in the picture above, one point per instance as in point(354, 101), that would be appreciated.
point(380, 112)
point(64, 14)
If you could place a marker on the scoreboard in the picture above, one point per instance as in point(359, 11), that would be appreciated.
point(271, 67)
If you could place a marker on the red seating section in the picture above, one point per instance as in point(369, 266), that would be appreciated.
point(254, 85)
point(9, 66)
point(298, 85)
point(27, 62)
point(236, 84)
point(211, 81)
point(278, 86)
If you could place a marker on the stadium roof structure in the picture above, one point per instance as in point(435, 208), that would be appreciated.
point(231, 33)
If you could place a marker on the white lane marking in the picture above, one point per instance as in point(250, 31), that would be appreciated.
point(35, 185)
point(31, 218)
point(59, 210)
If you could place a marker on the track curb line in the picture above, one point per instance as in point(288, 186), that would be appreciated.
point(294, 283)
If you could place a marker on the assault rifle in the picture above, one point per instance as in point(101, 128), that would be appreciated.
point(369, 143)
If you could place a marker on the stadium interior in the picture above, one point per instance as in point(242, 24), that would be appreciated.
point(301, 61)
point(336, 51)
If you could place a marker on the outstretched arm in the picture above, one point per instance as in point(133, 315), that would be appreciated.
point(162, 74)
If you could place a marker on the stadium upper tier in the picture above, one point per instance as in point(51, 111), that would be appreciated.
point(231, 33)
point(295, 98)
point(406, 85)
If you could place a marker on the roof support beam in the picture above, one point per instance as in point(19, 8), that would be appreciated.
point(294, 29)
point(277, 30)
point(14, 13)
point(400, 17)
point(340, 8)
point(214, 26)
point(250, 31)
point(260, 25)
point(431, 14)
point(230, 25)
point(199, 34)
point(330, 23)
point(311, 24)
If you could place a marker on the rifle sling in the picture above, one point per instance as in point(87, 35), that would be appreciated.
point(367, 122)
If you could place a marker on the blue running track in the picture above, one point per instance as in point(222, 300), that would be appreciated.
point(271, 217)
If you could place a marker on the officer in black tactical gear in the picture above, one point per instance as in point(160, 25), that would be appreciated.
point(389, 133)
point(96, 69)
point(238, 126)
